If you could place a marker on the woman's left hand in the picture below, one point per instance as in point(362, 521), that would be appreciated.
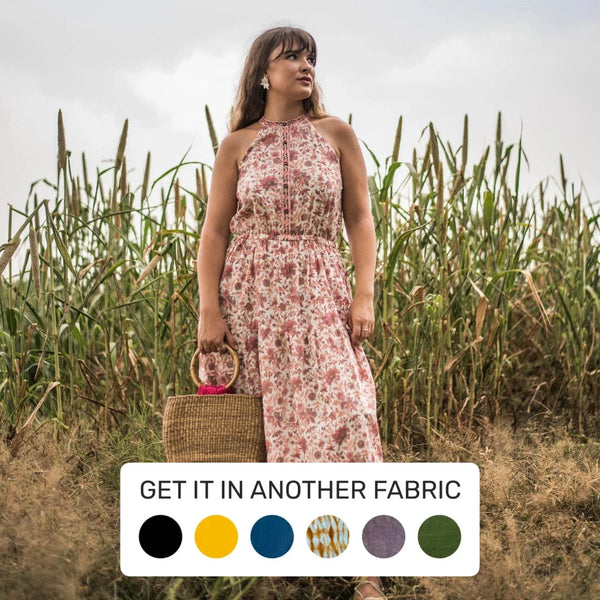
point(361, 318)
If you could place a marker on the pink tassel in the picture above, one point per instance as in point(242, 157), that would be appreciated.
point(208, 390)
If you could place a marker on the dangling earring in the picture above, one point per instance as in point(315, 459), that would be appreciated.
point(264, 82)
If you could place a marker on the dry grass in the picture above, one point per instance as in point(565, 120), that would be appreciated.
point(540, 514)
point(54, 522)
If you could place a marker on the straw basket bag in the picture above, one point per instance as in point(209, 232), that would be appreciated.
point(216, 427)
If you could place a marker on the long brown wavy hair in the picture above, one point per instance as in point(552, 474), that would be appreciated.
point(251, 97)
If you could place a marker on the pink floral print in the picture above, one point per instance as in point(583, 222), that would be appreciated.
point(285, 295)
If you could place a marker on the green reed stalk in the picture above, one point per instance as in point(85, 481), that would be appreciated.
point(54, 322)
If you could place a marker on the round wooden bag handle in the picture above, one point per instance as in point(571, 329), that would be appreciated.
point(236, 366)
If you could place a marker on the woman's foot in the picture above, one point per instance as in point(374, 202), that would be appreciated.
point(369, 588)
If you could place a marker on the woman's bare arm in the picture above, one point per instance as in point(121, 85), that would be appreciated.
point(212, 330)
point(360, 229)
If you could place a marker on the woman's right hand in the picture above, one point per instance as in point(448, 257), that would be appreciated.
point(213, 333)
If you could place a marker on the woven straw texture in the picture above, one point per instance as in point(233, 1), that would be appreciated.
point(214, 428)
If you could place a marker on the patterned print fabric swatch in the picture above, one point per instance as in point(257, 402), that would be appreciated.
point(327, 536)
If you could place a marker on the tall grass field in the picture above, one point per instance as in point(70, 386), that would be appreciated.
point(486, 349)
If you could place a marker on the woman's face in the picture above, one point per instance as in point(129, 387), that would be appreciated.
point(291, 74)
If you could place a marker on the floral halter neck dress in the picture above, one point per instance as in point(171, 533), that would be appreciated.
point(284, 293)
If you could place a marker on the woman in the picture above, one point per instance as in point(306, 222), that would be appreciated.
point(278, 292)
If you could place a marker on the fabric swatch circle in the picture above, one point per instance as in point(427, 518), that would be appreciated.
point(160, 536)
point(439, 536)
point(327, 536)
point(216, 536)
point(383, 536)
point(272, 536)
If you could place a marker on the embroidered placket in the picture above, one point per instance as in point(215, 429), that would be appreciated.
point(286, 193)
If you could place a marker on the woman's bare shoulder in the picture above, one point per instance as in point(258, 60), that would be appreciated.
point(337, 132)
point(333, 124)
point(233, 140)
point(236, 143)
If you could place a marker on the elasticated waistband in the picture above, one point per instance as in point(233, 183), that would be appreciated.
point(283, 237)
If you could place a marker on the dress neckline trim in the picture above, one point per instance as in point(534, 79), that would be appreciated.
point(298, 118)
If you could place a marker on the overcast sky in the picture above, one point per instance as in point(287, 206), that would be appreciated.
point(158, 64)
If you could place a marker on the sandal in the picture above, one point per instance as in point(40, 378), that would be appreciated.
point(372, 584)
